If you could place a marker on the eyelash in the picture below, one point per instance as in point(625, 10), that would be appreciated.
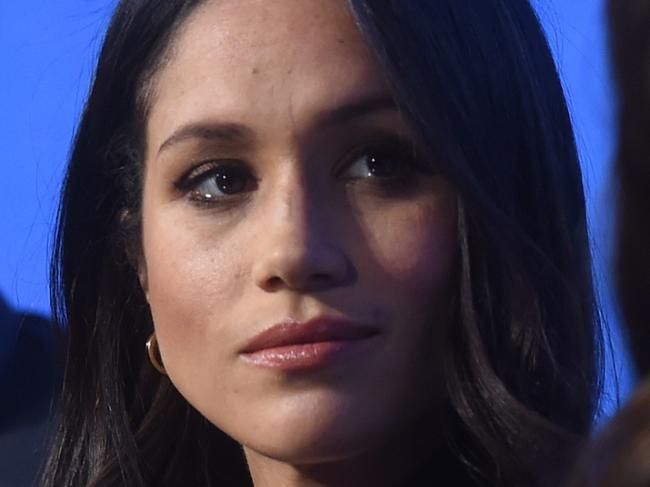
point(405, 161)
point(207, 170)
point(407, 167)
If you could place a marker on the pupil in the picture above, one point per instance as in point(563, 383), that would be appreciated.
point(229, 182)
point(380, 167)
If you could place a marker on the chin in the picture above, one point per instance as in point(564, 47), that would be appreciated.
point(307, 449)
point(315, 434)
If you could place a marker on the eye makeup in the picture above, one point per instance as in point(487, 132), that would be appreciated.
point(386, 164)
point(217, 181)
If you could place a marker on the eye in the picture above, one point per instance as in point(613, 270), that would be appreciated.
point(217, 180)
point(390, 160)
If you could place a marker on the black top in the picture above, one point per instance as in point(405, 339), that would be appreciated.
point(30, 377)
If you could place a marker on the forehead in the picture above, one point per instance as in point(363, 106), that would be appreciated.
point(262, 24)
point(252, 58)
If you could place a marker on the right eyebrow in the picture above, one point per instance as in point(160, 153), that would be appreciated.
point(231, 133)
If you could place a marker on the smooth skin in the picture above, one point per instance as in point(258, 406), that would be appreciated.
point(282, 183)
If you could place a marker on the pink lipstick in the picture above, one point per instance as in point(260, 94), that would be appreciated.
point(291, 345)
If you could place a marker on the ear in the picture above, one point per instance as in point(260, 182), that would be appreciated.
point(133, 248)
point(142, 277)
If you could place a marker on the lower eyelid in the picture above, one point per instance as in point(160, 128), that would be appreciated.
point(226, 204)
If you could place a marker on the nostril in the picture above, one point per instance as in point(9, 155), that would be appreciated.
point(307, 265)
point(314, 282)
point(274, 283)
point(300, 279)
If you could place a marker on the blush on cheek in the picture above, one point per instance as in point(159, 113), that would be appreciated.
point(417, 248)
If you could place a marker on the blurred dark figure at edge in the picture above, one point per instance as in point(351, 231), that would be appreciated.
point(30, 374)
point(620, 456)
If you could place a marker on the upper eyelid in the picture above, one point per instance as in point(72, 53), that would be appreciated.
point(400, 144)
point(202, 169)
point(188, 177)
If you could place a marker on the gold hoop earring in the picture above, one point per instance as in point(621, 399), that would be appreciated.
point(154, 354)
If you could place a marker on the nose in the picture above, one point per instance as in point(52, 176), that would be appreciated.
point(300, 250)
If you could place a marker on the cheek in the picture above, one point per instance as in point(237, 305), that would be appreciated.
point(180, 266)
point(411, 248)
point(414, 243)
point(192, 276)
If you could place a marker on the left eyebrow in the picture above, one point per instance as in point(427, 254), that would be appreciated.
point(356, 109)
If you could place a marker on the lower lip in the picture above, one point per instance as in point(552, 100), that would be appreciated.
point(307, 355)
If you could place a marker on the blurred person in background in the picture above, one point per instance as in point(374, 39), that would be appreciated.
point(620, 455)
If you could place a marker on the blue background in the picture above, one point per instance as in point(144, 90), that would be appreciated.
point(48, 49)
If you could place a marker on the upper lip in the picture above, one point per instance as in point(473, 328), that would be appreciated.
point(322, 329)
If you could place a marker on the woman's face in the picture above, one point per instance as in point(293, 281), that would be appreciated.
point(281, 187)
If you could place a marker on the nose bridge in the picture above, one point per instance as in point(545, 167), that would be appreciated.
point(298, 224)
point(297, 212)
point(298, 247)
